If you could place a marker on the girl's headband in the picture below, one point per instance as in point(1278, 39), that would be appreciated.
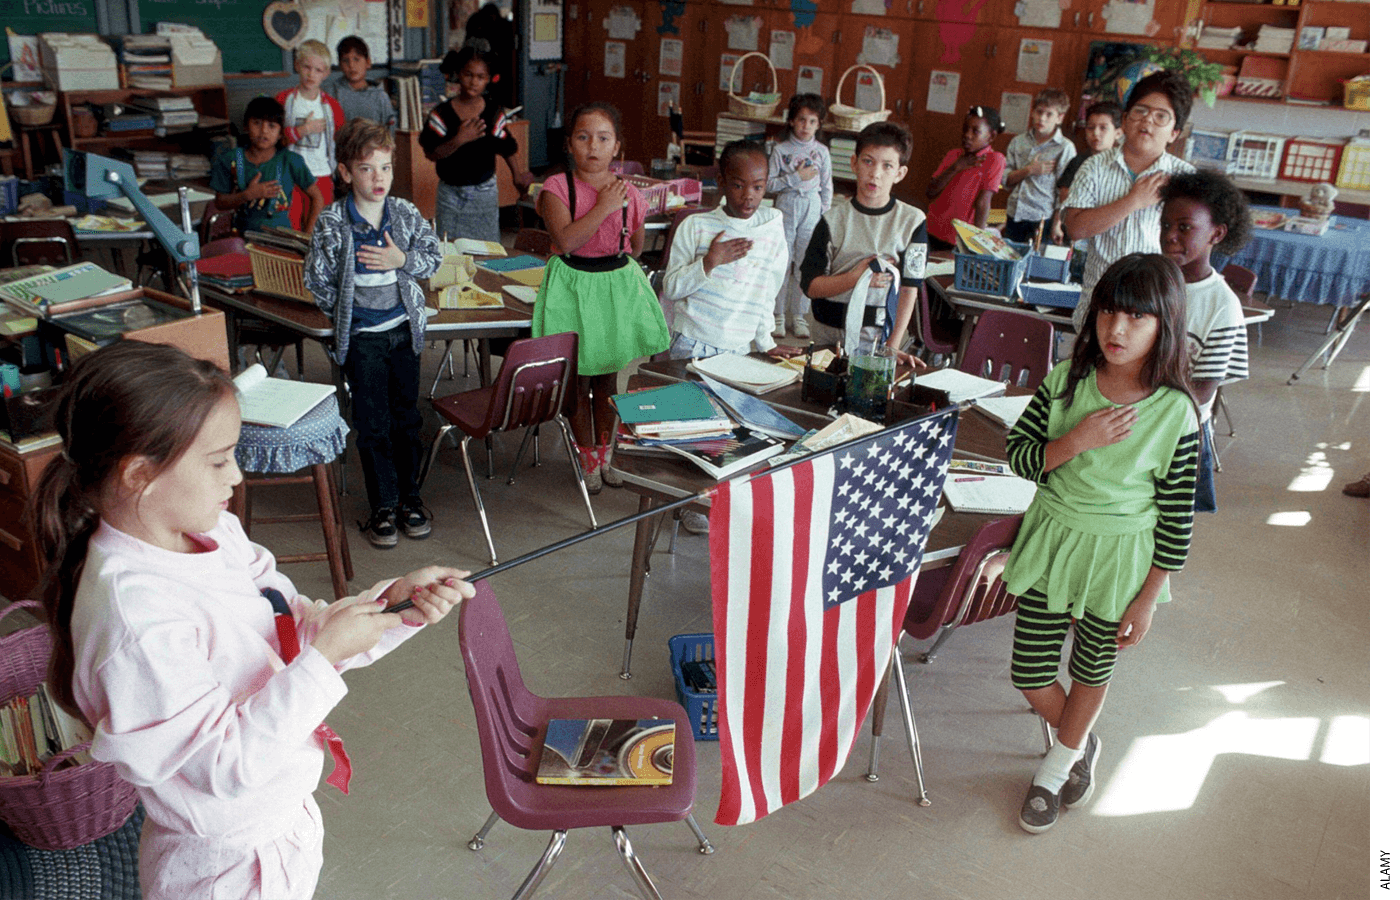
point(989, 113)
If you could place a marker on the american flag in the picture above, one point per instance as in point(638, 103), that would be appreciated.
point(811, 568)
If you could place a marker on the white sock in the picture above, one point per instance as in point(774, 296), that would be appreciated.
point(1054, 769)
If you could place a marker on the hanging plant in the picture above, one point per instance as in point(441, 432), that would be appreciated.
point(1204, 77)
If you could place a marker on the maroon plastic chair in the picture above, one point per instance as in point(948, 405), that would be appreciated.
point(511, 722)
point(627, 167)
point(1010, 346)
point(653, 262)
point(938, 334)
point(534, 386)
point(967, 592)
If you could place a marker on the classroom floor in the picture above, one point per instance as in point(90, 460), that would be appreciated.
point(1235, 760)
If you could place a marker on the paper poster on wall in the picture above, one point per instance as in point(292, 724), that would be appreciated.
point(1129, 17)
point(1015, 111)
point(24, 57)
point(868, 7)
point(622, 23)
point(943, 92)
point(330, 23)
point(668, 95)
point(671, 51)
point(780, 44)
point(809, 80)
point(415, 16)
point(869, 92)
point(1033, 62)
point(880, 47)
point(743, 32)
point(545, 18)
point(726, 65)
point(614, 59)
point(1038, 13)
point(397, 47)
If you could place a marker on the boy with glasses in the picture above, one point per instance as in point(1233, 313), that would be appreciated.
point(1115, 200)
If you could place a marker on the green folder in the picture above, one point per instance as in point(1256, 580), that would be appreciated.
point(671, 403)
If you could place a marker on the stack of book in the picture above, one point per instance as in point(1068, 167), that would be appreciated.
point(982, 241)
point(171, 113)
point(842, 149)
point(405, 90)
point(1273, 39)
point(1218, 37)
point(34, 728)
point(667, 415)
point(187, 166)
point(231, 273)
point(728, 130)
point(51, 292)
point(150, 163)
point(145, 60)
point(280, 238)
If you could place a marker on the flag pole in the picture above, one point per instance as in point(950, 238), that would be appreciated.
point(667, 507)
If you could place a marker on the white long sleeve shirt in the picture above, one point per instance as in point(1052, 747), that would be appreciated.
point(732, 307)
point(177, 669)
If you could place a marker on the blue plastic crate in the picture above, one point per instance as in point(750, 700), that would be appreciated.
point(1048, 269)
point(701, 709)
point(989, 275)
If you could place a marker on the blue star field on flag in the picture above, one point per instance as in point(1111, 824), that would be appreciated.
point(883, 505)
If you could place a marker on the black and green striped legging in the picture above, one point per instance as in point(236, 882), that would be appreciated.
point(1040, 638)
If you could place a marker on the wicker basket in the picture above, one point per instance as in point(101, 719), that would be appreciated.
point(278, 272)
point(741, 107)
point(853, 118)
point(60, 808)
point(34, 113)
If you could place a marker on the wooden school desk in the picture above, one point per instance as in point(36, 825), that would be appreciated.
point(662, 479)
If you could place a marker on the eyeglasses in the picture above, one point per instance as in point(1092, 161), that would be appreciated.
point(1159, 117)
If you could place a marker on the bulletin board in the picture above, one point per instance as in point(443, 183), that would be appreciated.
point(236, 26)
point(80, 17)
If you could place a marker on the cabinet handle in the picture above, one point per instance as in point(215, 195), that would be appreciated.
point(1076, 18)
point(921, 7)
point(5, 478)
point(994, 51)
point(9, 540)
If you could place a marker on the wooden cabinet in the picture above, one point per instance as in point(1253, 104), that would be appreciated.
point(415, 176)
point(20, 468)
point(210, 102)
point(1308, 75)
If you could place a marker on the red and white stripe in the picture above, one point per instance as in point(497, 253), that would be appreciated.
point(796, 681)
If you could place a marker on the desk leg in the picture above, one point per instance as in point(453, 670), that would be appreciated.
point(877, 723)
point(1335, 340)
point(231, 329)
point(640, 542)
point(483, 362)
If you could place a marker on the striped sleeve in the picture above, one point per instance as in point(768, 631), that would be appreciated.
point(1176, 494)
point(1025, 445)
point(1224, 356)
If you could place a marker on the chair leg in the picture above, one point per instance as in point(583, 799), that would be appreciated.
point(490, 458)
point(675, 530)
point(334, 537)
point(442, 364)
point(533, 430)
point(877, 722)
point(432, 454)
point(1214, 454)
point(542, 867)
point(634, 865)
point(911, 728)
point(476, 495)
point(479, 839)
point(572, 452)
point(1045, 732)
point(939, 640)
point(1224, 409)
point(706, 848)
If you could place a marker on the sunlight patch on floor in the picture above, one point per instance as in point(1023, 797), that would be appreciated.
point(1363, 381)
point(1348, 741)
point(1292, 519)
point(1315, 474)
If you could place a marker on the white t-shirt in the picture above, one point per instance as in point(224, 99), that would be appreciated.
point(311, 147)
point(1217, 342)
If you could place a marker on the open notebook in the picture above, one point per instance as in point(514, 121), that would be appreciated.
point(278, 402)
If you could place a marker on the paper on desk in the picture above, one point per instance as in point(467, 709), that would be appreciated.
point(937, 267)
point(521, 292)
point(170, 198)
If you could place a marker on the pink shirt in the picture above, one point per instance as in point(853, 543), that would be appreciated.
point(959, 197)
point(178, 671)
point(605, 240)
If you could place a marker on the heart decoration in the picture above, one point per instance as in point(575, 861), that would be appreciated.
point(285, 23)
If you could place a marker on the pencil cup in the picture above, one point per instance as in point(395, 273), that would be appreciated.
point(9, 377)
point(872, 370)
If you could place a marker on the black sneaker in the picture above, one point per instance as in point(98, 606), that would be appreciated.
point(1040, 810)
point(380, 530)
point(413, 520)
point(1080, 786)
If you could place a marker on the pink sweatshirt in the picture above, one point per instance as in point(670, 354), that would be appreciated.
point(177, 669)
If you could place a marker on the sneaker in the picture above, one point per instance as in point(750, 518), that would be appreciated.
point(380, 530)
point(1360, 488)
point(779, 326)
point(593, 480)
point(413, 519)
point(1040, 810)
point(694, 522)
point(610, 477)
point(799, 327)
point(1080, 785)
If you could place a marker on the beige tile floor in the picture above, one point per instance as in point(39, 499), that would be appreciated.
point(1235, 739)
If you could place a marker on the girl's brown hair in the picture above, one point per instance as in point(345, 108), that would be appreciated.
point(126, 401)
point(1146, 283)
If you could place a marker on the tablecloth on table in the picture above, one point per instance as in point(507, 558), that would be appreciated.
point(1332, 269)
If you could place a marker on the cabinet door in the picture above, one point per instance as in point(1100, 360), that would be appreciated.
point(1162, 23)
point(1064, 68)
point(888, 46)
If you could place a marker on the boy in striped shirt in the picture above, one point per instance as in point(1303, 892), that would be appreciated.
point(1114, 201)
point(1203, 212)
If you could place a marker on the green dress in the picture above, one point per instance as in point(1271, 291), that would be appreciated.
point(1101, 520)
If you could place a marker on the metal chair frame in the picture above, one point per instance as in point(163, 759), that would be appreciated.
point(554, 412)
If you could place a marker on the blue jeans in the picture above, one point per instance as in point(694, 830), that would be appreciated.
point(383, 373)
point(1205, 473)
